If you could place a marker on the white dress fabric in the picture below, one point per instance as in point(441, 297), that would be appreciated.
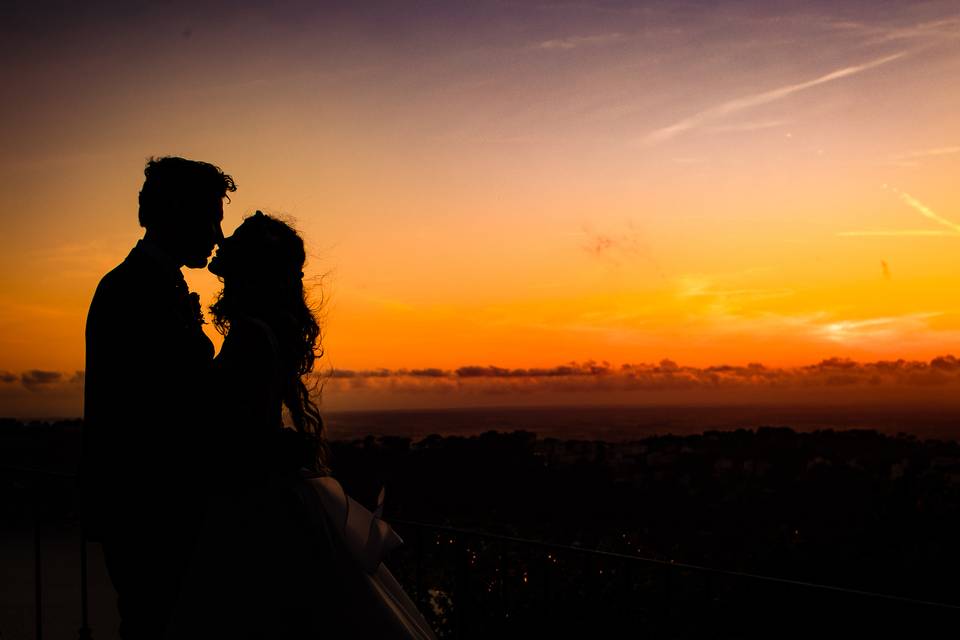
point(367, 539)
point(238, 571)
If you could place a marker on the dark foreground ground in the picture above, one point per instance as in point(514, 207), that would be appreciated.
point(857, 509)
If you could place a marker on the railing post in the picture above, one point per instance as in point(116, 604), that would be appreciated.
point(418, 568)
point(501, 575)
point(37, 571)
point(708, 599)
point(587, 575)
point(667, 596)
point(84, 632)
point(461, 584)
point(546, 580)
point(628, 603)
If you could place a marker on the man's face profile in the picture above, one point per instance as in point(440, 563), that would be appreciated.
point(202, 231)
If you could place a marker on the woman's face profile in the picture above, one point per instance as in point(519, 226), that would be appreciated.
point(233, 252)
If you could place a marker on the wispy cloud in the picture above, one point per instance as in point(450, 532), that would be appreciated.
point(574, 42)
point(737, 105)
point(846, 331)
point(913, 233)
point(709, 287)
point(928, 32)
point(924, 210)
point(756, 125)
point(81, 260)
point(925, 153)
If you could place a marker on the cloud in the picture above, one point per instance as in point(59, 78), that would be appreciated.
point(36, 379)
point(876, 328)
point(929, 32)
point(756, 125)
point(705, 286)
point(41, 394)
point(589, 368)
point(348, 373)
point(905, 158)
point(842, 379)
point(754, 100)
point(755, 379)
point(896, 232)
point(575, 42)
point(427, 373)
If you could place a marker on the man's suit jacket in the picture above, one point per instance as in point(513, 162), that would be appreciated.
point(147, 363)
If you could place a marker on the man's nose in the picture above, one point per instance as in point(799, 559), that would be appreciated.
point(217, 234)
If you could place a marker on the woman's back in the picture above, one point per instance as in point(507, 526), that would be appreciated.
point(262, 568)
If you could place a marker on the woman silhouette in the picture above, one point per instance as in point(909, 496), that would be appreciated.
point(273, 560)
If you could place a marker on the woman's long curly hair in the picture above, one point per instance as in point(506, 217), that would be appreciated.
point(261, 266)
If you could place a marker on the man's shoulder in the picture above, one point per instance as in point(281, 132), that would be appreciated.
point(126, 288)
point(117, 276)
point(131, 277)
point(121, 281)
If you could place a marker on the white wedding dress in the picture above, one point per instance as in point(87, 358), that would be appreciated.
point(238, 578)
point(367, 539)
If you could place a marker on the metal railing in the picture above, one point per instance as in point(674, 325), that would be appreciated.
point(535, 556)
point(545, 557)
point(84, 632)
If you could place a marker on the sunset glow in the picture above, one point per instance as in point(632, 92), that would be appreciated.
point(516, 186)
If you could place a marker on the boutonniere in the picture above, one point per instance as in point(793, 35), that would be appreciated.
point(195, 307)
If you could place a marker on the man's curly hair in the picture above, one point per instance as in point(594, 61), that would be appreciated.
point(175, 186)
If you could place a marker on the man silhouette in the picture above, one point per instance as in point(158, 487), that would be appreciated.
point(147, 360)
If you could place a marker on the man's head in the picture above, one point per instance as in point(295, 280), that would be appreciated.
point(181, 207)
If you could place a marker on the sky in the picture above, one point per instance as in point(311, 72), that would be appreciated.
point(513, 202)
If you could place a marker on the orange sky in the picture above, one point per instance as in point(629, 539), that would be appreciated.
point(518, 186)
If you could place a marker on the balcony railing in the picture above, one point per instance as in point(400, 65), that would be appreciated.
point(660, 597)
point(477, 584)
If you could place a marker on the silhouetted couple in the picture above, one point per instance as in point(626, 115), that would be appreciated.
point(216, 519)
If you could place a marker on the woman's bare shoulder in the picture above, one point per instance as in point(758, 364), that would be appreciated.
point(251, 345)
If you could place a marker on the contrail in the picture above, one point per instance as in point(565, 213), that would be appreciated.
point(746, 102)
point(927, 211)
point(897, 232)
point(925, 153)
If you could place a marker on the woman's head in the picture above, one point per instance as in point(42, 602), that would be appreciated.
point(262, 254)
point(261, 267)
